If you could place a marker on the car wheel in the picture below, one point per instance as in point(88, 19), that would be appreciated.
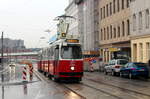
point(130, 76)
point(121, 75)
point(49, 76)
point(146, 77)
point(55, 79)
point(105, 72)
point(113, 73)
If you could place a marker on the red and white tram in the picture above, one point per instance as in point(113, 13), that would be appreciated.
point(62, 60)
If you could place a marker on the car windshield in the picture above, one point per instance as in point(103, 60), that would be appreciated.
point(123, 62)
point(71, 52)
point(140, 64)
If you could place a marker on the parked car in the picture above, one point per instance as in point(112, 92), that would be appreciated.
point(134, 69)
point(114, 66)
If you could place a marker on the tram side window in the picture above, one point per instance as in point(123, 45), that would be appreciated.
point(43, 55)
point(47, 56)
point(51, 53)
point(56, 53)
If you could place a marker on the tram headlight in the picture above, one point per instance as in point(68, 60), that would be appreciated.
point(72, 68)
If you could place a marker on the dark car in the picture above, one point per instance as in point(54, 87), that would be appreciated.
point(134, 69)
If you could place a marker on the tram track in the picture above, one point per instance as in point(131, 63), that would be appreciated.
point(116, 80)
point(124, 91)
point(44, 79)
point(120, 88)
point(105, 92)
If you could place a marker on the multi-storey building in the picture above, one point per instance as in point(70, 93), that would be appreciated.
point(10, 45)
point(140, 40)
point(114, 29)
point(72, 10)
point(80, 4)
point(88, 15)
point(14, 44)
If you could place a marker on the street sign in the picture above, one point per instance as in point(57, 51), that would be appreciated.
point(113, 49)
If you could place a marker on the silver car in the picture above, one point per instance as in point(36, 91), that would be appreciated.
point(114, 66)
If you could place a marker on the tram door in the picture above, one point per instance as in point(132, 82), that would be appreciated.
point(56, 61)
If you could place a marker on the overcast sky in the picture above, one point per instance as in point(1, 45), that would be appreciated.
point(28, 19)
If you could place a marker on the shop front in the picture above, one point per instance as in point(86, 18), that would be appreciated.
point(116, 51)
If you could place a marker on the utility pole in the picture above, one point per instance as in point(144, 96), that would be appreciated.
point(2, 64)
point(2, 56)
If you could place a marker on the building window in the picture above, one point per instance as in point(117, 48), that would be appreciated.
point(134, 22)
point(104, 12)
point(140, 20)
point(101, 13)
point(101, 34)
point(147, 18)
point(128, 27)
point(107, 10)
point(148, 50)
point(122, 4)
point(107, 33)
point(123, 29)
point(118, 31)
point(110, 8)
point(111, 31)
point(141, 52)
point(97, 36)
point(114, 32)
point(114, 6)
point(135, 52)
point(118, 5)
point(128, 2)
point(104, 34)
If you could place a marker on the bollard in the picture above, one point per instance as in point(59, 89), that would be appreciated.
point(91, 67)
point(24, 74)
point(31, 72)
point(25, 89)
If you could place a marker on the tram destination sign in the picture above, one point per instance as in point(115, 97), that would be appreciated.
point(72, 40)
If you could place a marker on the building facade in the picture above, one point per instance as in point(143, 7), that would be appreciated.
point(140, 40)
point(14, 44)
point(114, 29)
point(88, 16)
point(10, 45)
point(72, 10)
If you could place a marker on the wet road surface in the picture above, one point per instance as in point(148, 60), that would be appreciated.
point(100, 86)
point(39, 88)
point(94, 85)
